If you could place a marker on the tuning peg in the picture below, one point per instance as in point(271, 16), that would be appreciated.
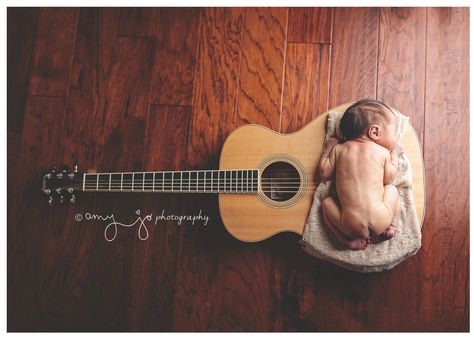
point(53, 169)
point(75, 168)
point(50, 200)
point(73, 199)
point(61, 199)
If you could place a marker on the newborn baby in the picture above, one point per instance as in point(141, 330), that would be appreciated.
point(366, 208)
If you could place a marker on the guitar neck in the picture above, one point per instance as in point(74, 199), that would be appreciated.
point(242, 181)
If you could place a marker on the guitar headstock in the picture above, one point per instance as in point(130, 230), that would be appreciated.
point(58, 185)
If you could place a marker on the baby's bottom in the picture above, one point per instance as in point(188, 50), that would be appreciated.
point(358, 238)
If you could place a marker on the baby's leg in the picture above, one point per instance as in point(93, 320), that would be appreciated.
point(391, 200)
point(332, 217)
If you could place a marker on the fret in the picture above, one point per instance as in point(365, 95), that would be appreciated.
point(245, 184)
point(215, 178)
point(148, 181)
point(137, 181)
point(127, 181)
point(162, 181)
point(181, 181)
point(84, 183)
point(255, 179)
point(172, 181)
point(97, 184)
point(121, 181)
point(113, 182)
point(239, 181)
point(234, 180)
point(219, 181)
point(143, 185)
point(90, 182)
point(156, 183)
point(133, 180)
point(185, 180)
point(167, 181)
point(207, 179)
point(201, 181)
point(252, 180)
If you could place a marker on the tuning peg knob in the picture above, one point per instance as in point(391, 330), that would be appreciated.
point(61, 199)
point(75, 168)
point(50, 200)
point(53, 169)
point(73, 199)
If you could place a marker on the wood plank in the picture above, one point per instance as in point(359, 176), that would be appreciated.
point(262, 67)
point(38, 151)
point(214, 105)
point(67, 298)
point(138, 22)
point(341, 295)
point(154, 260)
point(310, 25)
point(401, 83)
point(401, 67)
point(306, 89)
point(444, 287)
point(175, 58)
point(53, 54)
point(21, 31)
point(354, 55)
point(87, 101)
point(124, 130)
point(215, 91)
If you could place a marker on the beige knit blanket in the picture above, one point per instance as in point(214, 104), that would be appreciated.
point(318, 240)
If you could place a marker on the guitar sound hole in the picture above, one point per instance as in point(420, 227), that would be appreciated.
point(280, 181)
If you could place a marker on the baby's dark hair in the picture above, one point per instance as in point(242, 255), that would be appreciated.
point(360, 115)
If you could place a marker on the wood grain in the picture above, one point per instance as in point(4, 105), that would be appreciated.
point(401, 63)
point(354, 55)
point(306, 85)
point(215, 89)
point(310, 25)
point(39, 149)
point(261, 69)
point(175, 57)
point(53, 52)
point(138, 22)
point(21, 26)
point(446, 141)
point(153, 266)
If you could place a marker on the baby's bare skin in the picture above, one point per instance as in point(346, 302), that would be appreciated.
point(366, 202)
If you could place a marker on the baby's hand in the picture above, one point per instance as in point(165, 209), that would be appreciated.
point(398, 149)
point(330, 143)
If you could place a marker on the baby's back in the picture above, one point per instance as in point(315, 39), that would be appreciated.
point(359, 176)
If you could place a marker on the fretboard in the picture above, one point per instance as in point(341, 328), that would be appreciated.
point(241, 181)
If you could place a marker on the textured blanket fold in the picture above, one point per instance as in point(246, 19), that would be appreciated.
point(318, 240)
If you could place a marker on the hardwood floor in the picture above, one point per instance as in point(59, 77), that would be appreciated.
point(116, 89)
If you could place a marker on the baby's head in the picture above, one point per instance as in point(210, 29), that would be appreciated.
point(371, 120)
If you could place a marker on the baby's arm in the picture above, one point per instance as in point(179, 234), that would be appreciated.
point(328, 159)
point(391, 164)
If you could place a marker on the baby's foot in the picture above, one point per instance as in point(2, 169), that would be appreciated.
point(386, 235)
point(358, 244)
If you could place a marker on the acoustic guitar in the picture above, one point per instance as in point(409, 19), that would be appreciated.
point(266, 180)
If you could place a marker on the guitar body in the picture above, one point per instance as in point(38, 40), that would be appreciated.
point(284, 205)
